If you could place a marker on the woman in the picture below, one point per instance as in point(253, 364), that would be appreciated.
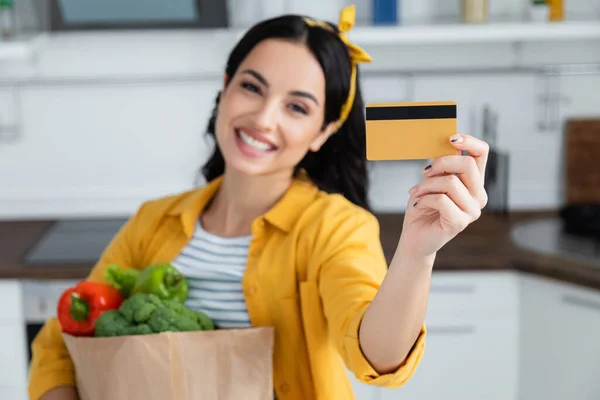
point(287, 189)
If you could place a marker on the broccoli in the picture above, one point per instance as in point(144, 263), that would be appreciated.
point(146, 313)
point(110, 323)
point(139, 308)
point(176, 317)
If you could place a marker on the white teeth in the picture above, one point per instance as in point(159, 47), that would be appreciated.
point(250, 141)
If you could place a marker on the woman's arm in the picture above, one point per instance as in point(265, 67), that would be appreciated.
point(448, 199)
point(61, 393)
point(393, 321)
point(351, 269)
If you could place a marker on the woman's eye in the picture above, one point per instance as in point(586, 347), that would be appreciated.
point(251, 87)
point(297, 108)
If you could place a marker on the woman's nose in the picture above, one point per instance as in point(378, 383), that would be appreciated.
point(266, 116)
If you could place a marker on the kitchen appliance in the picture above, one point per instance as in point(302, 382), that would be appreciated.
point(73, 242)
point(497, 170)
point(581, 212)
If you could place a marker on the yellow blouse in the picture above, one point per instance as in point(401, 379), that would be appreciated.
point(314, 264)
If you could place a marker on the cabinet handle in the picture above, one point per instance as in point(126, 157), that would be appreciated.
point(453, 289)
point(451, 330)
point(579, 302)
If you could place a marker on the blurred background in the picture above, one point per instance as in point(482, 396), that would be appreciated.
point(103, 105)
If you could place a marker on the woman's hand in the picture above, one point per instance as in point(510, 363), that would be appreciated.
point(448, 199)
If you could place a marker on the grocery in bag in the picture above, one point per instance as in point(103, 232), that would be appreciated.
point(133, 338)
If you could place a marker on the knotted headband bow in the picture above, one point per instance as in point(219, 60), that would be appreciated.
point(357, 54)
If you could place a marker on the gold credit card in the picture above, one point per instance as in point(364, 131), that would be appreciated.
point(410, 131)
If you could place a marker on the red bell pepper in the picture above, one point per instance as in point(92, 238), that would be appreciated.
point(80, 306)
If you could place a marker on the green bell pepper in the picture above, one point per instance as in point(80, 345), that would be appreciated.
point(121, 279)
point(164, 281)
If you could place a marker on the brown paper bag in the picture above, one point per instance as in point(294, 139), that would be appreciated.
point(209, 365)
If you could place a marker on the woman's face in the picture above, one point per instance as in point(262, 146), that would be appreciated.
point(271, 111)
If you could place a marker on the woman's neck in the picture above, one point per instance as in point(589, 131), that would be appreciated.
point(240, 200)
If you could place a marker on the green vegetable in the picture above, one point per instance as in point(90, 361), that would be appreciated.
point(114, 323)
point(162, 280)
point(146, 313)
point(176, 317)
point(121, 279)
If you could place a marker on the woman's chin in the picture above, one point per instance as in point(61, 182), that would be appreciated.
point(246, 167)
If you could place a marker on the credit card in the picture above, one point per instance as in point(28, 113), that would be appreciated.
point(410, 130)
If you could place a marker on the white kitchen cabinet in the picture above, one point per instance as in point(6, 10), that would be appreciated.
point(471, 348)
point(103, 149)
point(473, 294)
point(13, 343)
point(13, 353)
point(465, 359)
point(559, 350)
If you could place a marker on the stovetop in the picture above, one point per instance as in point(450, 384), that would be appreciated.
point(74, 241)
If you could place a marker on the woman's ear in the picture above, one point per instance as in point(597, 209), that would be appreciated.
point(322, 136)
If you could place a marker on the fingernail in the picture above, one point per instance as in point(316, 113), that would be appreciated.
point(456, 139)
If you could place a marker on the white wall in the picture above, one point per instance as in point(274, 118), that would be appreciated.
point(107, 120)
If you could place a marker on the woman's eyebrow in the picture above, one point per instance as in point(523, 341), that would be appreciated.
point(304, 94)
point(258, 76)
point(262, 80)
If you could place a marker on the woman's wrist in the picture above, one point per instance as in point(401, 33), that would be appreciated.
point(406, 258)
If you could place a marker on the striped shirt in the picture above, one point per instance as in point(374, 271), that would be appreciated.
point(214, 267)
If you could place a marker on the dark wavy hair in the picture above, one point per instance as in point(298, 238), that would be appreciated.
point(339, 166)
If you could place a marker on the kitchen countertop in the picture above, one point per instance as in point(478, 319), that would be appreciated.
point(484, 245)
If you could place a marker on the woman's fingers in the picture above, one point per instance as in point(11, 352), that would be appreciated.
point(466, 169)
point(452, 218)
point(478, 149)
point(453, 188)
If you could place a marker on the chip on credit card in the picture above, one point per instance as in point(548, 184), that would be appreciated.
point(410, 130)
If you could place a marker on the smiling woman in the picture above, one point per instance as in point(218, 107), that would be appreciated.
point(271, 113)
point(282, 234)
point(285, 85)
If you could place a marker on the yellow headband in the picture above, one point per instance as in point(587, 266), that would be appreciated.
point(357, 55)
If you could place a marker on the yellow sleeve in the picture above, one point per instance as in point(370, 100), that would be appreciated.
point(51, 366)
point(352, 271)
